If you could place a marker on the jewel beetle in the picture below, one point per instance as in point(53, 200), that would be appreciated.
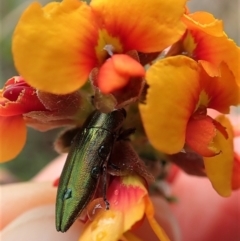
point(85, 165)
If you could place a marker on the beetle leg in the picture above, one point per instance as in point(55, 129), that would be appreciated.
point(107, 204)
point(124, 134)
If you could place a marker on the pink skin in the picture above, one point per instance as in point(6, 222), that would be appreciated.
point(204, 215)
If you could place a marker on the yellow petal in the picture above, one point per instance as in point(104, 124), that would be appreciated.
point(53, 46)
point(146, 26)
point(158, 230)
point(171, 99)
point(219, 168)
point(107, 226)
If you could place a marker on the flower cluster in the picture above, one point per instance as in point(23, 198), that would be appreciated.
point(175, 65)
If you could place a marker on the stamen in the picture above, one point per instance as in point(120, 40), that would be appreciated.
point(109, 48)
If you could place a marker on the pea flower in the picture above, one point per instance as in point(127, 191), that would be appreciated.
point(185, 91)
point(22, 105)
point(206, 42)
point(65, 41)
point(110, 42)
point(17, 98)
point(129, 201)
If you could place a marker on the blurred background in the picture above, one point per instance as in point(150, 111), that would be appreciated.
point(39, 150)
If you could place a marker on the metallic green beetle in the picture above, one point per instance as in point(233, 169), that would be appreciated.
point(86, 163)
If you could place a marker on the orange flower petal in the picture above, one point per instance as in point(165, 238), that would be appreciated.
point(21, 106)
point(219, 168)
point(213, 51)
point(53, 46)
point(126, 65)
point(126, 195)
point(205, 22)
point(11, 109)
point(171, 99)
point(117, 71)
point(212, 44)
point(142, 25)
point(13, 137)
point(200, 134)
point(109, 79)
point(222, 91)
